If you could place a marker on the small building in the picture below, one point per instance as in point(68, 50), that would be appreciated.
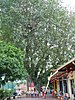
point(63, 78)
point(31, 87)
point(22, 87)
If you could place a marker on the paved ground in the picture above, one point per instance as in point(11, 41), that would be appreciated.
point(40, 98)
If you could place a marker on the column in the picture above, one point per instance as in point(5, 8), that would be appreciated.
point(69, 88)
point(63, 86)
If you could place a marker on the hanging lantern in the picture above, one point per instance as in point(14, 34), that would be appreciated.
point(62, 74)
point(66, 75)
point(71, 72)
point(71, 68)
point(56, 78)
point(66, 70)
point(57, 74)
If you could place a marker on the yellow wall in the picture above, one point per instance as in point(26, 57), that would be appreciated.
point(56, 86)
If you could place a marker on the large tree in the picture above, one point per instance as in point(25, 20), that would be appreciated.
point(41, 28)
point(11, 62)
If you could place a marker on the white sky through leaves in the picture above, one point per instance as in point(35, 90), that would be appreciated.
point(70, 4)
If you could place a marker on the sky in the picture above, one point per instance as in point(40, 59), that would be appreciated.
point(70, 4)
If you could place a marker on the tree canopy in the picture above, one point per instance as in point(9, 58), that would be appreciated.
point(11, 62)
point(43, 29)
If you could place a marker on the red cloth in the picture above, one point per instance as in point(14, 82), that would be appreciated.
point(52, 93)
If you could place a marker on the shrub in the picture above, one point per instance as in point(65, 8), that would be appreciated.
point(5, 94)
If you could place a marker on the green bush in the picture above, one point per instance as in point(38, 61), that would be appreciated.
point(5, 94)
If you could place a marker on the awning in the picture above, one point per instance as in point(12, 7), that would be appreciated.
point(69, 66)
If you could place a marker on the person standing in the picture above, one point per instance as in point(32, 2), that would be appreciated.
point(45, 92)
point(19, 93)
point(66, 97)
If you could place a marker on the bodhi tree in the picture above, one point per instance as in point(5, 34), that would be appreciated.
point(11, 62)
point(42, 29)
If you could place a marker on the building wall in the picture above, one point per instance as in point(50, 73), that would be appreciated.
point(71, 81)
point(56, 86)
point(74, 76)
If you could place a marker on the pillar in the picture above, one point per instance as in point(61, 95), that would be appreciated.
point(69, 88)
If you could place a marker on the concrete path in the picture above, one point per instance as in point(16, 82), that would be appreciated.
point(40, 98)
